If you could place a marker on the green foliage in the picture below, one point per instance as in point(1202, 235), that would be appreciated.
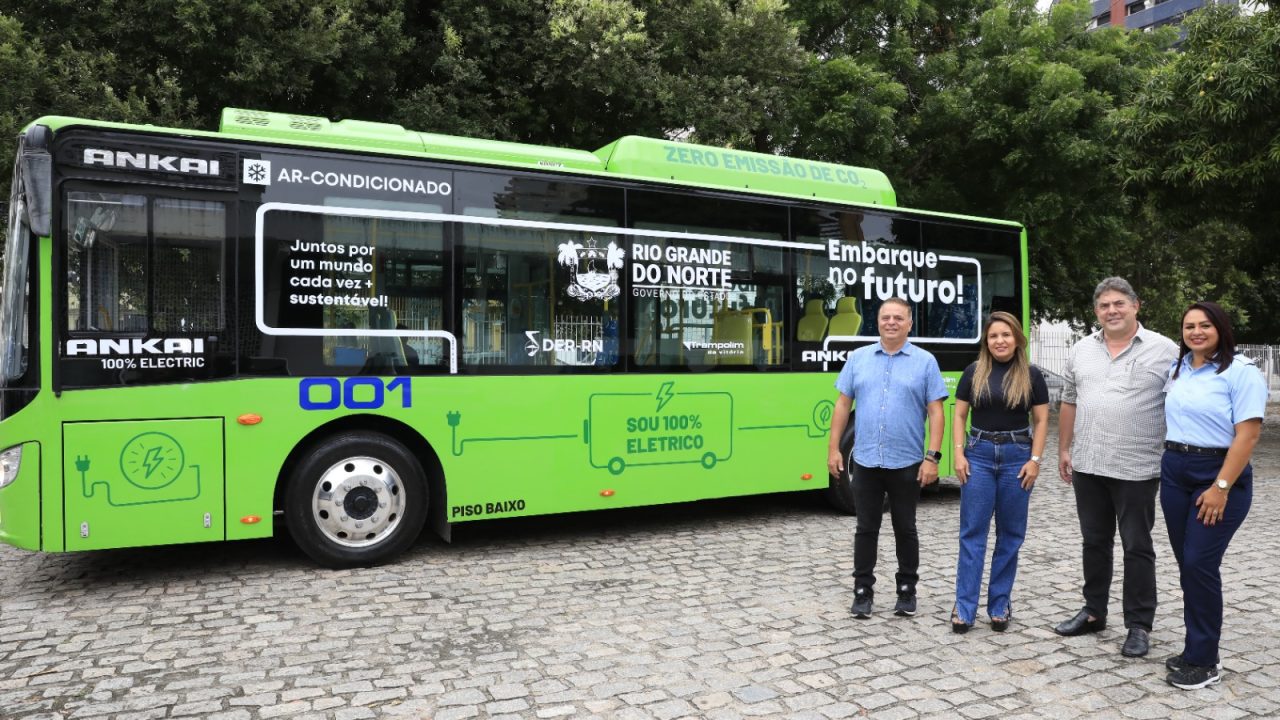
point(1019, 128)
point(727, 69)
point(1200, 148)
point(1195, 263)
point(582, 73)
point(845, 111)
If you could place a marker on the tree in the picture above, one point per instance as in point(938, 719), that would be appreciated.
point(330, 57)
point(845, 110)
point(554, 73)
point(1021, 129)
point(581, 73)
point(1201, 147)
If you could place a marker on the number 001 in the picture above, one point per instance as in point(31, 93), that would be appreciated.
point(328, 393)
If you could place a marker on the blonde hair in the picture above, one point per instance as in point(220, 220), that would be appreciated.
point(1017, 381)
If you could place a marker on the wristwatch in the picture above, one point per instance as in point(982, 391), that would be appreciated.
point(1035, 459)
point(1222, 485)
point(934, 455)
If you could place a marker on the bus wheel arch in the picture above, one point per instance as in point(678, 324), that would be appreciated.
point(410, 459)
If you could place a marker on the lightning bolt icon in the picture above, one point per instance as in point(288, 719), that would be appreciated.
point(664, 395)
point(153, 460)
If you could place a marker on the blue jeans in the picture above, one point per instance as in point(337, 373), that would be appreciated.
point(1199, 548)
point(993, 488)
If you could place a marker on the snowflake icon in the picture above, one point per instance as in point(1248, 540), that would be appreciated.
point(257, 172)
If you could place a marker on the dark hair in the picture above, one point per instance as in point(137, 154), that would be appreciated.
point(1226, 350)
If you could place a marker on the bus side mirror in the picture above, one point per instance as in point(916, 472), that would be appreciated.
point(37, 183)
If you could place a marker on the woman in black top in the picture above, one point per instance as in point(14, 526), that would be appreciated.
point(997, 465)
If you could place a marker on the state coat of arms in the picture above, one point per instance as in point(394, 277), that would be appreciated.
point(593, 271)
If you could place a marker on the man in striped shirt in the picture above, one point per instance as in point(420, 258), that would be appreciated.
point(1110, 439)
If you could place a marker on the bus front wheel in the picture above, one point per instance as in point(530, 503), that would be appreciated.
point(357, 498)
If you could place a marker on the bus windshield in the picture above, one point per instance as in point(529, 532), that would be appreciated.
point(13, 292)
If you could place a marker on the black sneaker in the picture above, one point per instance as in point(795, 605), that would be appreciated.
point(906, 605)
point(1175, 663)
point(1193, 677)
point(861, 603)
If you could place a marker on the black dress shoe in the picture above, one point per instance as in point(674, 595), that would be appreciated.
point(1137, 644)
point(1080, 625)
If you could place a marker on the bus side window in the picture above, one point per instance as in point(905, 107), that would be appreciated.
point(106, 262)
point(540, 297)
point(189, 255)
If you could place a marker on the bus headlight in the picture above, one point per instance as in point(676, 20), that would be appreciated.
point(10, 461)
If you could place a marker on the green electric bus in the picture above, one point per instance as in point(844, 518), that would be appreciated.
point(359, 330)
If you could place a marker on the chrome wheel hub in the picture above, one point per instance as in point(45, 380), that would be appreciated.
point(358, 502)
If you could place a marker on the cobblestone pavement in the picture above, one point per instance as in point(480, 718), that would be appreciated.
point(725, 609)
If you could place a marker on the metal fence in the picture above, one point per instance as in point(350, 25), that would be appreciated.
point(1268, 359)
point(1050, 345)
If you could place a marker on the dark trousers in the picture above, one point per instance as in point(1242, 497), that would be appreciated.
point(870, 485)
point(1199, 548)
point(1104, 503)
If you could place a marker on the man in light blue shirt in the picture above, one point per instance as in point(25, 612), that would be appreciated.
point(896, 385)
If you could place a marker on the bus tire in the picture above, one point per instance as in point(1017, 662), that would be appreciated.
point(840, 489)
point(840, 493)
point(356, 499)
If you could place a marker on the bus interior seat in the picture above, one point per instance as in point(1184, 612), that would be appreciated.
point(385, 352)
point(770, 334)
point(846, 321)
point(349, 355)
point(732, 326)
point(813, 324)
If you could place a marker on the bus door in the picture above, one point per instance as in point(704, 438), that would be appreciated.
point(144, 318)
point(148, 482)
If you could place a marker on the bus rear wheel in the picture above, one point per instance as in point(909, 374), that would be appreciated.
point(356, 499)
point(840, 493)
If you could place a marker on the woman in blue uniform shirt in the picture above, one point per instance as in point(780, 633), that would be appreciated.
point(1213, 411)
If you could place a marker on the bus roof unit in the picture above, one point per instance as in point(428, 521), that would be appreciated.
point(630, 156)
point(742, 170)
point(362, 135)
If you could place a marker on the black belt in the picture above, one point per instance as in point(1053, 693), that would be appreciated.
point(1194, 450)
point(1001, 436)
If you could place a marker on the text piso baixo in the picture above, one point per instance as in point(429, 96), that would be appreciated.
point(883, 287)
point(349, 275)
